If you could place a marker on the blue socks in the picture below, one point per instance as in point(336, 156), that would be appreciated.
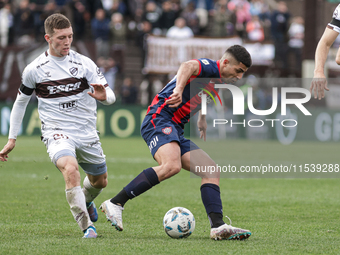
point(143, 182)
point(211, 199)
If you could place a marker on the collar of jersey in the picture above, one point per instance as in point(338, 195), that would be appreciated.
point(54, 57)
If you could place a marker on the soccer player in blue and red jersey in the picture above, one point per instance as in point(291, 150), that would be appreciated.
point(162, 130)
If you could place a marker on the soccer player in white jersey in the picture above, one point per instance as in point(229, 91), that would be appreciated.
point(67, 85)
point(319, 83)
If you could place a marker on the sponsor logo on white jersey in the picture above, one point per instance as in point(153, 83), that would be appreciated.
point(68, 106)
point(74, 62)
point(63, 88)
point(38, 66)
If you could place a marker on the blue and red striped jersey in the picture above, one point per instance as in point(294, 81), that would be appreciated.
point(191, 97)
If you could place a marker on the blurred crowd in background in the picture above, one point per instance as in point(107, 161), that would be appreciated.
point(112, 24)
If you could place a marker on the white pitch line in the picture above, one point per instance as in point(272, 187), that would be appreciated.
point(108, 159)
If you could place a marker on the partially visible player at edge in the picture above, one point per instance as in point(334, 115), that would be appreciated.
point(162, 130)
point(319, 82)
point(67, 86)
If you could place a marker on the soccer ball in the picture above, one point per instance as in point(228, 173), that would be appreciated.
point(179, 222)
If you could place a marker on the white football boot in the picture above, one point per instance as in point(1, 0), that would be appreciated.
point(113, 214)
point(227, 232)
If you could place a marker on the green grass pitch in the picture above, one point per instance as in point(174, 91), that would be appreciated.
point(285, 216)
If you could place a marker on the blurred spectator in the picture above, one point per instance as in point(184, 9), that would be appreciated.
point(191, 18)
point(134, 8)
point(222, 25)
point(23, 20)
point(145, 30)
point(128, 92)
point(109, 69)
point(149, 88)
point(279, 28)
point(37, 7)
point(261, 9)
point(265, 20)
point(61, 3)
point(296, 36)
point(80, 17)
point(112, 6)
point(92, 6)
point(48, 10)
point(179, 30)
point(152, 14)
point(6, 21)
point(118, 30)
point(101, 33)
point(255, 30)
point(256, 7)
point(168, 17)
point(204, 8)
point(241, 8)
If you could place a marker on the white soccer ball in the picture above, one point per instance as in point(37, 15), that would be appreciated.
point(179, 222)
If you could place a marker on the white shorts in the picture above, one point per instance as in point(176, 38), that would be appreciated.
point(86, 149)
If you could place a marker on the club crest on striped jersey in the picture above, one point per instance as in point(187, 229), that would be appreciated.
point(74, 71)
point(167, 130)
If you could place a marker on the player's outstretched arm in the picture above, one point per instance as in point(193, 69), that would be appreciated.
point(185, 71)
point(319, 82)
point(104, 95)
point(7, 149)
point(17, 115)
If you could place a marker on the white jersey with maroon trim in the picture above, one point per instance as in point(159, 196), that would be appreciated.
point(335, 22)
point(61, 86)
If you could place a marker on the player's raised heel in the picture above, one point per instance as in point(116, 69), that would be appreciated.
point(92, 210)
point(227, 232)
point(113, 214)
point(90, 232)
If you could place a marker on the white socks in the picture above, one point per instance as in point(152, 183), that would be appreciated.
point(90, 192)
point(76, 199)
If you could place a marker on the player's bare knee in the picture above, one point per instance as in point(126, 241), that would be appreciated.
point(172, 168)
point(69, 170)
point(72, 176)
point(100, 183)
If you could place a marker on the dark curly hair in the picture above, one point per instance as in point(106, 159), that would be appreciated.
point(240, 54)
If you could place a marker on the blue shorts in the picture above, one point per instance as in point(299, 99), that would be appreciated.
point(162, 131)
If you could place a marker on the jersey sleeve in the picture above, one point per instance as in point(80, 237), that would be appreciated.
point(28, 78)
point(207, 67)
point(93, 73)
point(335, 22)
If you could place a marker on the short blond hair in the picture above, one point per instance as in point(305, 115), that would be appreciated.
point(56, 21)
